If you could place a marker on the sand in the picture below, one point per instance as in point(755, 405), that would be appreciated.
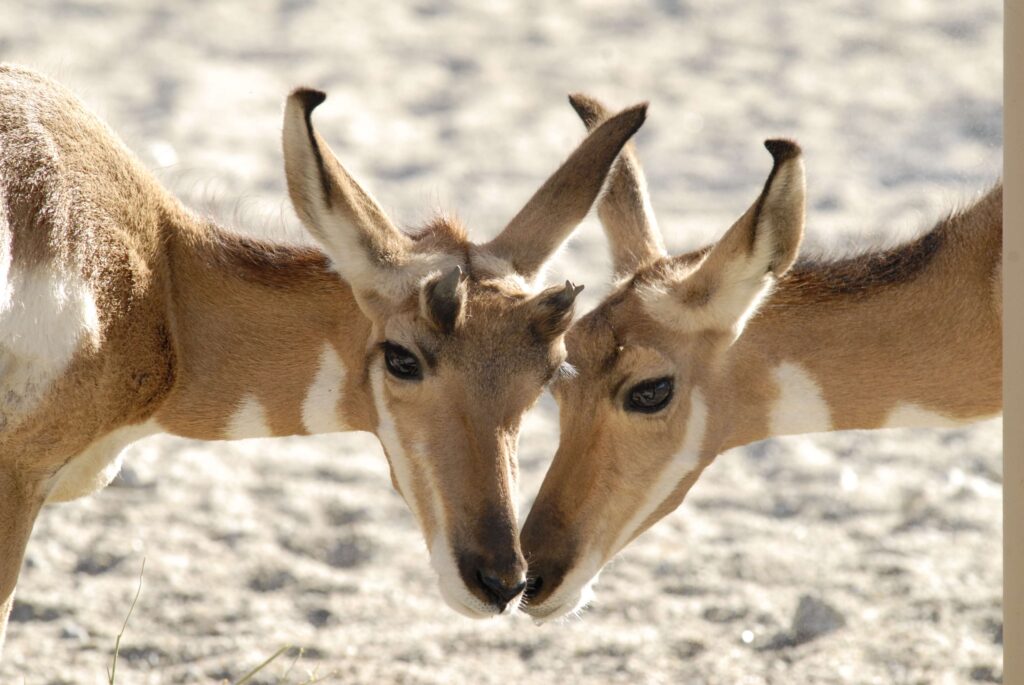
point(841, 558)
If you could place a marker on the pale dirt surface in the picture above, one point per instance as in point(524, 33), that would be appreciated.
point(257, 544)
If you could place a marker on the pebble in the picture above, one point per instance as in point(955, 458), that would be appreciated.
point(73, 631)
point(814, 618)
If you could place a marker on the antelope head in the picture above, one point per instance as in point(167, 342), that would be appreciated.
point(638, 417)
point(461, 344)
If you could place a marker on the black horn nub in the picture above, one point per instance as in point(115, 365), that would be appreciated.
point(444, 299)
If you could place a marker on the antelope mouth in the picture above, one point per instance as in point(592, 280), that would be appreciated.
point(477, 594)
point(550, 597)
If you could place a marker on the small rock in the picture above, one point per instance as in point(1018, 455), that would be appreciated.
point(270, 580)
point(685, 590)
point(345, 516)
point(812, 619)
point(993, 627)
point(25, 611)
point(986, 674)
point(687, 649)
point(724, 614)
point(298, 653)
point(319, 617)
point(73, 631)
point(98, 562)
point(815, 618)
point(527, 652)
point(151, 655)
point(350, 553)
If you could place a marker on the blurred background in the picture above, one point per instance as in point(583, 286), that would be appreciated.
point(843, 558)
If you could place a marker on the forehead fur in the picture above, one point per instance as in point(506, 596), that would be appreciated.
point(446, 234)
point(597, 339)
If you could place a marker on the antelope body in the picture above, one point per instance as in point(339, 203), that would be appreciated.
point(122, 313)
point(696, 354)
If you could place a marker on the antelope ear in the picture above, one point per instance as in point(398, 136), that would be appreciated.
point(443, 300)
point(553, 310)
point(740, 269)
point(625, 207)
point(367, 250)
point(547, 219)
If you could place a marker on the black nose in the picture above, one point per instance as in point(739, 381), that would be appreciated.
point(501, 591)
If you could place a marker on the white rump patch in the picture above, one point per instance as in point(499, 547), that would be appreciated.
point(45, 312)
point(249, 420)
point(320, 411)
point(45, 317)
point(684, 461)
point(800, 407)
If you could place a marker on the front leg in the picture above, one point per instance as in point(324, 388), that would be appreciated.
point(19, 505)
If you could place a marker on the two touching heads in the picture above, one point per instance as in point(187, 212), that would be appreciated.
point(463, 340)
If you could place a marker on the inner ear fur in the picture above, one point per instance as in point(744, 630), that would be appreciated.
point(367, 250)
point(739, 270)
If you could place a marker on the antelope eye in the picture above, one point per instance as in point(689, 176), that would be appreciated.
point(401, 363)
point(650, 396)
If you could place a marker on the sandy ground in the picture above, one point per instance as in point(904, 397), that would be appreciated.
point(844, 558)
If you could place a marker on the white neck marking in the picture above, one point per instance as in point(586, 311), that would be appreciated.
point(249, 420)
point(801, 406)
point(320, 408)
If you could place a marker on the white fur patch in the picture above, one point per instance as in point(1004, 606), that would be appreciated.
point(249, 420)
point(741, 285)
point(800, 407)
point(387, 433)
point(493, 266)
point(46, 316)
point(906, 415)
point(453, 590)
point(98, 464)
point(442, 558)
point(320, 409)
point(45, 312)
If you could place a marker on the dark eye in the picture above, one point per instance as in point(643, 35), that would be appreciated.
point(401, 362)
point(650, 396)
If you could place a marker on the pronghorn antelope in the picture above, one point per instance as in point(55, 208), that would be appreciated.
point(693, 355)
point(122, 314)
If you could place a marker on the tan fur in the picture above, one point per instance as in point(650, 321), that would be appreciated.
point(569, 192)
point(626, 213)
point(195, 322)
point(915, 326)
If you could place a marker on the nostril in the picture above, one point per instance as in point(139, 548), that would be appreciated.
point(533, 587)
point(497, 590)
